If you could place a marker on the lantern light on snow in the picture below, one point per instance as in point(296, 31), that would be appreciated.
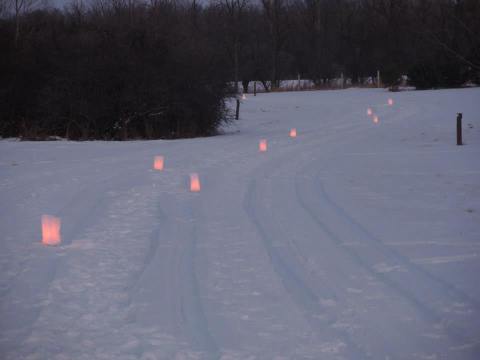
point(194, 183)
point(293, 133)
point(158, 163)
point(50, 230)
point(376, 119)
point(390, 102)
point(369, 112)
point(262, 146)
point(244, 97)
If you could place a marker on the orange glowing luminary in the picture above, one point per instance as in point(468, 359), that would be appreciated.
point(390, 102)
point(194, 183)
point(369, 112)
point(50, 230)
point(293, 133)
point(262, 146)
point(158, 163)
point(376, 119)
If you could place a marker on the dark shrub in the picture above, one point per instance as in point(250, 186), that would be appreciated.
point(127, 71)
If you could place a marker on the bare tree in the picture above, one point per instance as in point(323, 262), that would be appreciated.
point(233, 13)
point(274, 13)
point(3, 8)
point(460, 39)
point(20, 8)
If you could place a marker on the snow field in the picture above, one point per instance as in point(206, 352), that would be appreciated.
point(354, 240)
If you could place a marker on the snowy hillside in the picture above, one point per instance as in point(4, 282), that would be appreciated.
point(353, 240)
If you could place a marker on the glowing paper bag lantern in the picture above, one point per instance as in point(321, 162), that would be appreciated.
point(244, 97)
point(390, 102)
point(50, 230)
point(369, 112)
point(376, 119)
point(262, 146)
point(194, 183)
point(158, 163)
point(293, 133)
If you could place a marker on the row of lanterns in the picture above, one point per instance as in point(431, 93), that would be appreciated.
point(375, 117)
point(51, 225)
point(195, 186)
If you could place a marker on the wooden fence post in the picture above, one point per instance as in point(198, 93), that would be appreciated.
point(459, 129)
point(255, 88)
point(237, 111)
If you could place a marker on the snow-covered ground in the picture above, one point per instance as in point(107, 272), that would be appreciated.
point(353, 240)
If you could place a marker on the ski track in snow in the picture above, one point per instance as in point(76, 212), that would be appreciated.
point(352, 241)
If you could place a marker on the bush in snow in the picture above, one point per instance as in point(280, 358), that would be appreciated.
point(116, 71)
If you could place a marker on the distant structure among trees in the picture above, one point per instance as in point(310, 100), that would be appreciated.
point(124, 69)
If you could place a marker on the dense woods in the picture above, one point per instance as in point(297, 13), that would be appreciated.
point(122, 69)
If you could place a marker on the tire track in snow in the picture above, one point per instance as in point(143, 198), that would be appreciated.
point(290, 277)
point(192, 310)
point(293, 280)
point(150, 254)
point(165, 291)
point(451, 289)
point(424, 309)
point(302, 295)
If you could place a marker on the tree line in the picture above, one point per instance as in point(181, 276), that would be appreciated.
point(123, 69)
